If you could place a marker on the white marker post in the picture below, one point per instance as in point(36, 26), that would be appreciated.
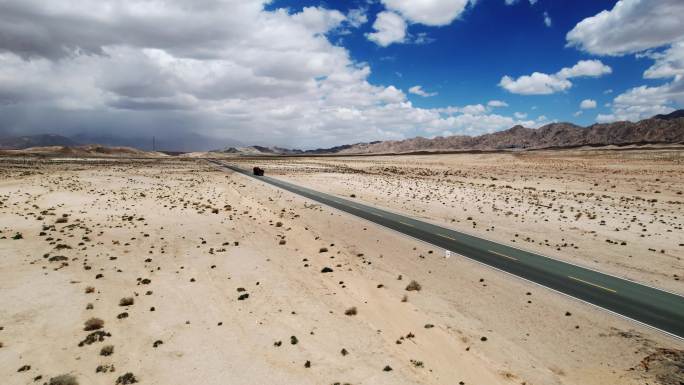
point(447, 254)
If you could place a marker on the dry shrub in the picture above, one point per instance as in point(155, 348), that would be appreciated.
point(107, 350)
point(96, 336)
point(126, 301)
point(126, 379)
point(93, 324)
point(64, 379)
point(413, 286)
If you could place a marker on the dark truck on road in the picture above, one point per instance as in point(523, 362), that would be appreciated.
point(258, 171)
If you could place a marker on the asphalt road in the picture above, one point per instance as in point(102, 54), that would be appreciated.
point(656, 308)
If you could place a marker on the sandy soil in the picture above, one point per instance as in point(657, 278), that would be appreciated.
point(227, 282)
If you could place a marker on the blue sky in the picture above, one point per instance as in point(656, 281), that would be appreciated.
point(307, 74)
point(464, 61)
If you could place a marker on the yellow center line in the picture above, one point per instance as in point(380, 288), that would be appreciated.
point(377, 214)
point(446, 236)
point(592, 284)
point(407, 224)
point(503, 255)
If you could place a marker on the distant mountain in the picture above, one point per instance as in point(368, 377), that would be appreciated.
point(337, 149)
point(672, 115)
point(26, 141)
point(89, 150)
point(659, 129)
point(666, 128)
point(175, 142)
point(261, 150)
point(258, 150)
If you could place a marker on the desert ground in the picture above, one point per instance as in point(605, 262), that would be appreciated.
point(170, 271)
point(618, 211)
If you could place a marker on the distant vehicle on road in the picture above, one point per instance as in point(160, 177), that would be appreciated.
point(258, 171)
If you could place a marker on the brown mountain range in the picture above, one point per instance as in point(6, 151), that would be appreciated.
point(658, 129)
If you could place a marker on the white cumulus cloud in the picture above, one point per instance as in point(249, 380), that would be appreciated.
point(389, 28)
point(497, 103)
point(478, 124)
point(418, 90)
point(428, 12)
point(643, 102)
point(642, 27)
point(511, 2)
point(668, 64)
point(631, 26)
point(539, 83)
point(589, 68)
point(391, 24)
point(357, 17)
point(587, 104)
point(536, 84)
point(319, 20)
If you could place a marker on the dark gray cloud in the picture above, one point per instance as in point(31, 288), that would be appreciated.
point(63, 28)
point(218, 69)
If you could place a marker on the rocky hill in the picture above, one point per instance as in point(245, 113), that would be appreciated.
point(90, 150)
point(667, 128)
point(258, 150)
point(671, 115)
point(659, 129)
point(43, 140)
